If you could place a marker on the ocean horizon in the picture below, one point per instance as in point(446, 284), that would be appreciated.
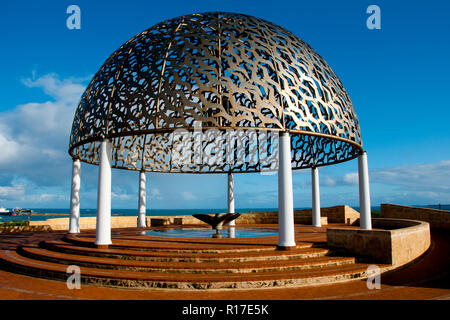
point(64, 212)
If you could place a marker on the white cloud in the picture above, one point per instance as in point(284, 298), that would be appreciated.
point(118, 192)
point(430, 177)
point(120, 196)
point(188, 196)
point(66, 90)
point(34, 136)
point(9, 148)
point(351, 178)
point(13, 192)
point(47, 197)
point(426, 177)
point(410, 184)
point(155, 194)
point(328, 181)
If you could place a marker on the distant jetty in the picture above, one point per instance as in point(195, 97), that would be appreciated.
point(27, 212)
point(48, 214)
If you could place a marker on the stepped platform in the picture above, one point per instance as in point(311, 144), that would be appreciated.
point(139, 261)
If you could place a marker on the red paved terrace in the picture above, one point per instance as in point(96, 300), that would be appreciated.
point(34, 265)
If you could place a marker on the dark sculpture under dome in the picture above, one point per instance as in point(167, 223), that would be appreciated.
point(217, 220)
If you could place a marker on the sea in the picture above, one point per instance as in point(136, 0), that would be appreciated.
point(61, 213)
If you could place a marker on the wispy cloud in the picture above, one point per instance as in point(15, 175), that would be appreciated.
point(186, 195)
point(66, 90)
point(34, 137)
point(155, 194)
point(425, 177)
point(409, 184)
point(351, 179)
point(39, 132)
point(348, 179)
point(12, 192)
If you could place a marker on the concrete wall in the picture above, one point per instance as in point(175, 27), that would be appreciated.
point(438, 219)
point(117, 222)
point(86, 223)
point(172, 220)
point(272, 218)
point(336, 214)
point(391, 241)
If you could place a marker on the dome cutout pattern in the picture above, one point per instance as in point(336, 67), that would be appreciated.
point(207, 93)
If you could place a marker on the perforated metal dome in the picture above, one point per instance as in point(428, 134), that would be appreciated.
point(207, 93)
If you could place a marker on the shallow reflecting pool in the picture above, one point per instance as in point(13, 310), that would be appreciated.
point(210, 233)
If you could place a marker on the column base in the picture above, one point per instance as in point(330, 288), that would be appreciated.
point(286, 248)
point(141, 224)
point(102, 246)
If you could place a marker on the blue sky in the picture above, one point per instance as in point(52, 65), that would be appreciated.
point(397, 79)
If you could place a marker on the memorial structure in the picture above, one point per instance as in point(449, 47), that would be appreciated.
point(215, 93)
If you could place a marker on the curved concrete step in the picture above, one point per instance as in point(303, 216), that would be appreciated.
point(13, 261)
point(145, 243)
point(303, 251)
point(37, 253)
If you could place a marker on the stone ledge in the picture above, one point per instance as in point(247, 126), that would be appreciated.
point(438, 219)
point(392, 241)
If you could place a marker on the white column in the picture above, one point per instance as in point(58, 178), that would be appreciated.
point(232, 232)
point(364, 193)
point(286, 235)
point(142, 201)
point(103, 235)
point(74, 222)
point(315, 197)
point(231, 196)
